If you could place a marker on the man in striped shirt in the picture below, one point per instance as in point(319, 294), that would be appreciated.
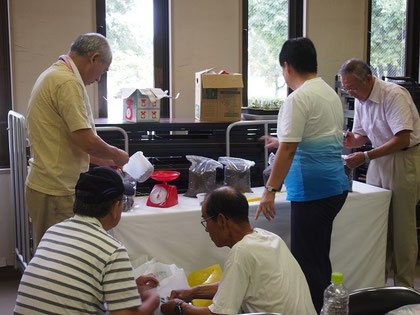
point(78, 267)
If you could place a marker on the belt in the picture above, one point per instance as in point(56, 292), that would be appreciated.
point(405, 149)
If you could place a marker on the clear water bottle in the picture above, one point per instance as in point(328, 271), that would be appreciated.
point(336, 297)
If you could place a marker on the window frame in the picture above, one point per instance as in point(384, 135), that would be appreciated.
point(412, 38)
point(295, 13)
point(160, 53)
point(5, 82)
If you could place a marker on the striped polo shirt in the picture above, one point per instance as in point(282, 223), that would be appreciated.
point(78, 268)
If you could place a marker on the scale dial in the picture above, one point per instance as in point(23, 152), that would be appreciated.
point(158, 195)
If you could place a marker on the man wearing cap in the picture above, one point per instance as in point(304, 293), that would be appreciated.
point(62, 132)
point(78, 267)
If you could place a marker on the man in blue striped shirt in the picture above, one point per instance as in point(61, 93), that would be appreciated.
point(78, 267)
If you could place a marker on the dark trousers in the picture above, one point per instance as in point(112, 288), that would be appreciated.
point(311, 226)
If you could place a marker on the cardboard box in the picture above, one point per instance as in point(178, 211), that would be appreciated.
point(142, 105)
point(218, 97)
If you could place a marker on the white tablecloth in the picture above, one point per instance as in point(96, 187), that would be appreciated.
point(175, 235)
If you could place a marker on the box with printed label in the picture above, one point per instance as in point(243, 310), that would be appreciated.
point(218, 97)
point(142, 105)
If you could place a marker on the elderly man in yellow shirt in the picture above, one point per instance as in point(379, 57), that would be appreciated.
point(62, 132)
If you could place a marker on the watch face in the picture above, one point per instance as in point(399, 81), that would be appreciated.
point(158, 195)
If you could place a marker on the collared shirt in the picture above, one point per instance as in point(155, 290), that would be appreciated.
point(388, 110)
point(56, 108)
point(77, 267)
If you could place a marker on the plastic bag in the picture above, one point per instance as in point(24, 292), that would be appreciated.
point(170, 276)
point(349, 173)
point(412, 309)
point(202, 175)
point(237, 173)
point(207, 275)
point(128, 202)
point(267, 170)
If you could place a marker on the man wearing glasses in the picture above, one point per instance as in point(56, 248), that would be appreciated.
point(259, 270)
point(386, 115)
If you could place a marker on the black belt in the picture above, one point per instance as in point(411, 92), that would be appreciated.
point(405, 149)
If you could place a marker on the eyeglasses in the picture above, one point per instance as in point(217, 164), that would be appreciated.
point(204, 221)
point(349, 89)
point(124, 199)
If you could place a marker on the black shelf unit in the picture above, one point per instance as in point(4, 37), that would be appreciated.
point(166, 143)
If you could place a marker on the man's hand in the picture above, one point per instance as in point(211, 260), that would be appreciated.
point(350, 140)
point(183, 294)
point(146, 282)
point(354, 160)
point(168, 308)
point(121, 157)
point(266, 205)
point(354, 140)
point(271, 143)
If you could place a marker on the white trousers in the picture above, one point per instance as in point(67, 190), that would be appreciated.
point(400, 172)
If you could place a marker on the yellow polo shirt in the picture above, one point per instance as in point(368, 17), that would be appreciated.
point(56, 108)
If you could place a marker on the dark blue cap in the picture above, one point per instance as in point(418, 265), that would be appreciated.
point(101, 184)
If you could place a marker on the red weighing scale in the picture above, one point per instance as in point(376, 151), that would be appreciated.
point(163, 195)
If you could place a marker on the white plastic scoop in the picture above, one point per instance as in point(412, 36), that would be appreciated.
point(138, 167)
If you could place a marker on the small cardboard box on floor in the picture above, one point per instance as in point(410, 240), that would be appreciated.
point(142, 105)
point(218, 97)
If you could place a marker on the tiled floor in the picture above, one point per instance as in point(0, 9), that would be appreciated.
point(9, 282)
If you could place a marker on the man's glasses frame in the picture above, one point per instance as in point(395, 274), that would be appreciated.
point(204, 221)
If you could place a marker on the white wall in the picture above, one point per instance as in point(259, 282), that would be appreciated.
point(338, 29)
point(41, 31)
point(204, 34)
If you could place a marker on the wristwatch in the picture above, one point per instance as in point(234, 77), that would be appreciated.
point(271, 189)
point(178, 308)
point(367, 159)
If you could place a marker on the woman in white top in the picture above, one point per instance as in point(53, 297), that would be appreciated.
point(308, 160)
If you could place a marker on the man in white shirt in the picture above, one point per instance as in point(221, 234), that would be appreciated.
point(260, 270)
point(386, 115)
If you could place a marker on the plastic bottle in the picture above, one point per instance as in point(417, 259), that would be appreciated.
point(336, 297)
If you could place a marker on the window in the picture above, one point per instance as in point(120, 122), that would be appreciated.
point(393, 38)
point(267, 25)
point(138, 33)
point(388, 37)
point(5, 83)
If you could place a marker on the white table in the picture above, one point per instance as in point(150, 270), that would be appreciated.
point(175, 235)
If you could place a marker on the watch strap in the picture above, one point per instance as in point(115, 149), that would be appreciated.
point(270, 188)
point(178, 308)
point(367, 159)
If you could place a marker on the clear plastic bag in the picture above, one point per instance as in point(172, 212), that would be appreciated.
point(237, 173)
point(128, 202)
point(349, 173)
point(202, 175)
point(170, 278)
point(411, 309)
point(267, 170)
